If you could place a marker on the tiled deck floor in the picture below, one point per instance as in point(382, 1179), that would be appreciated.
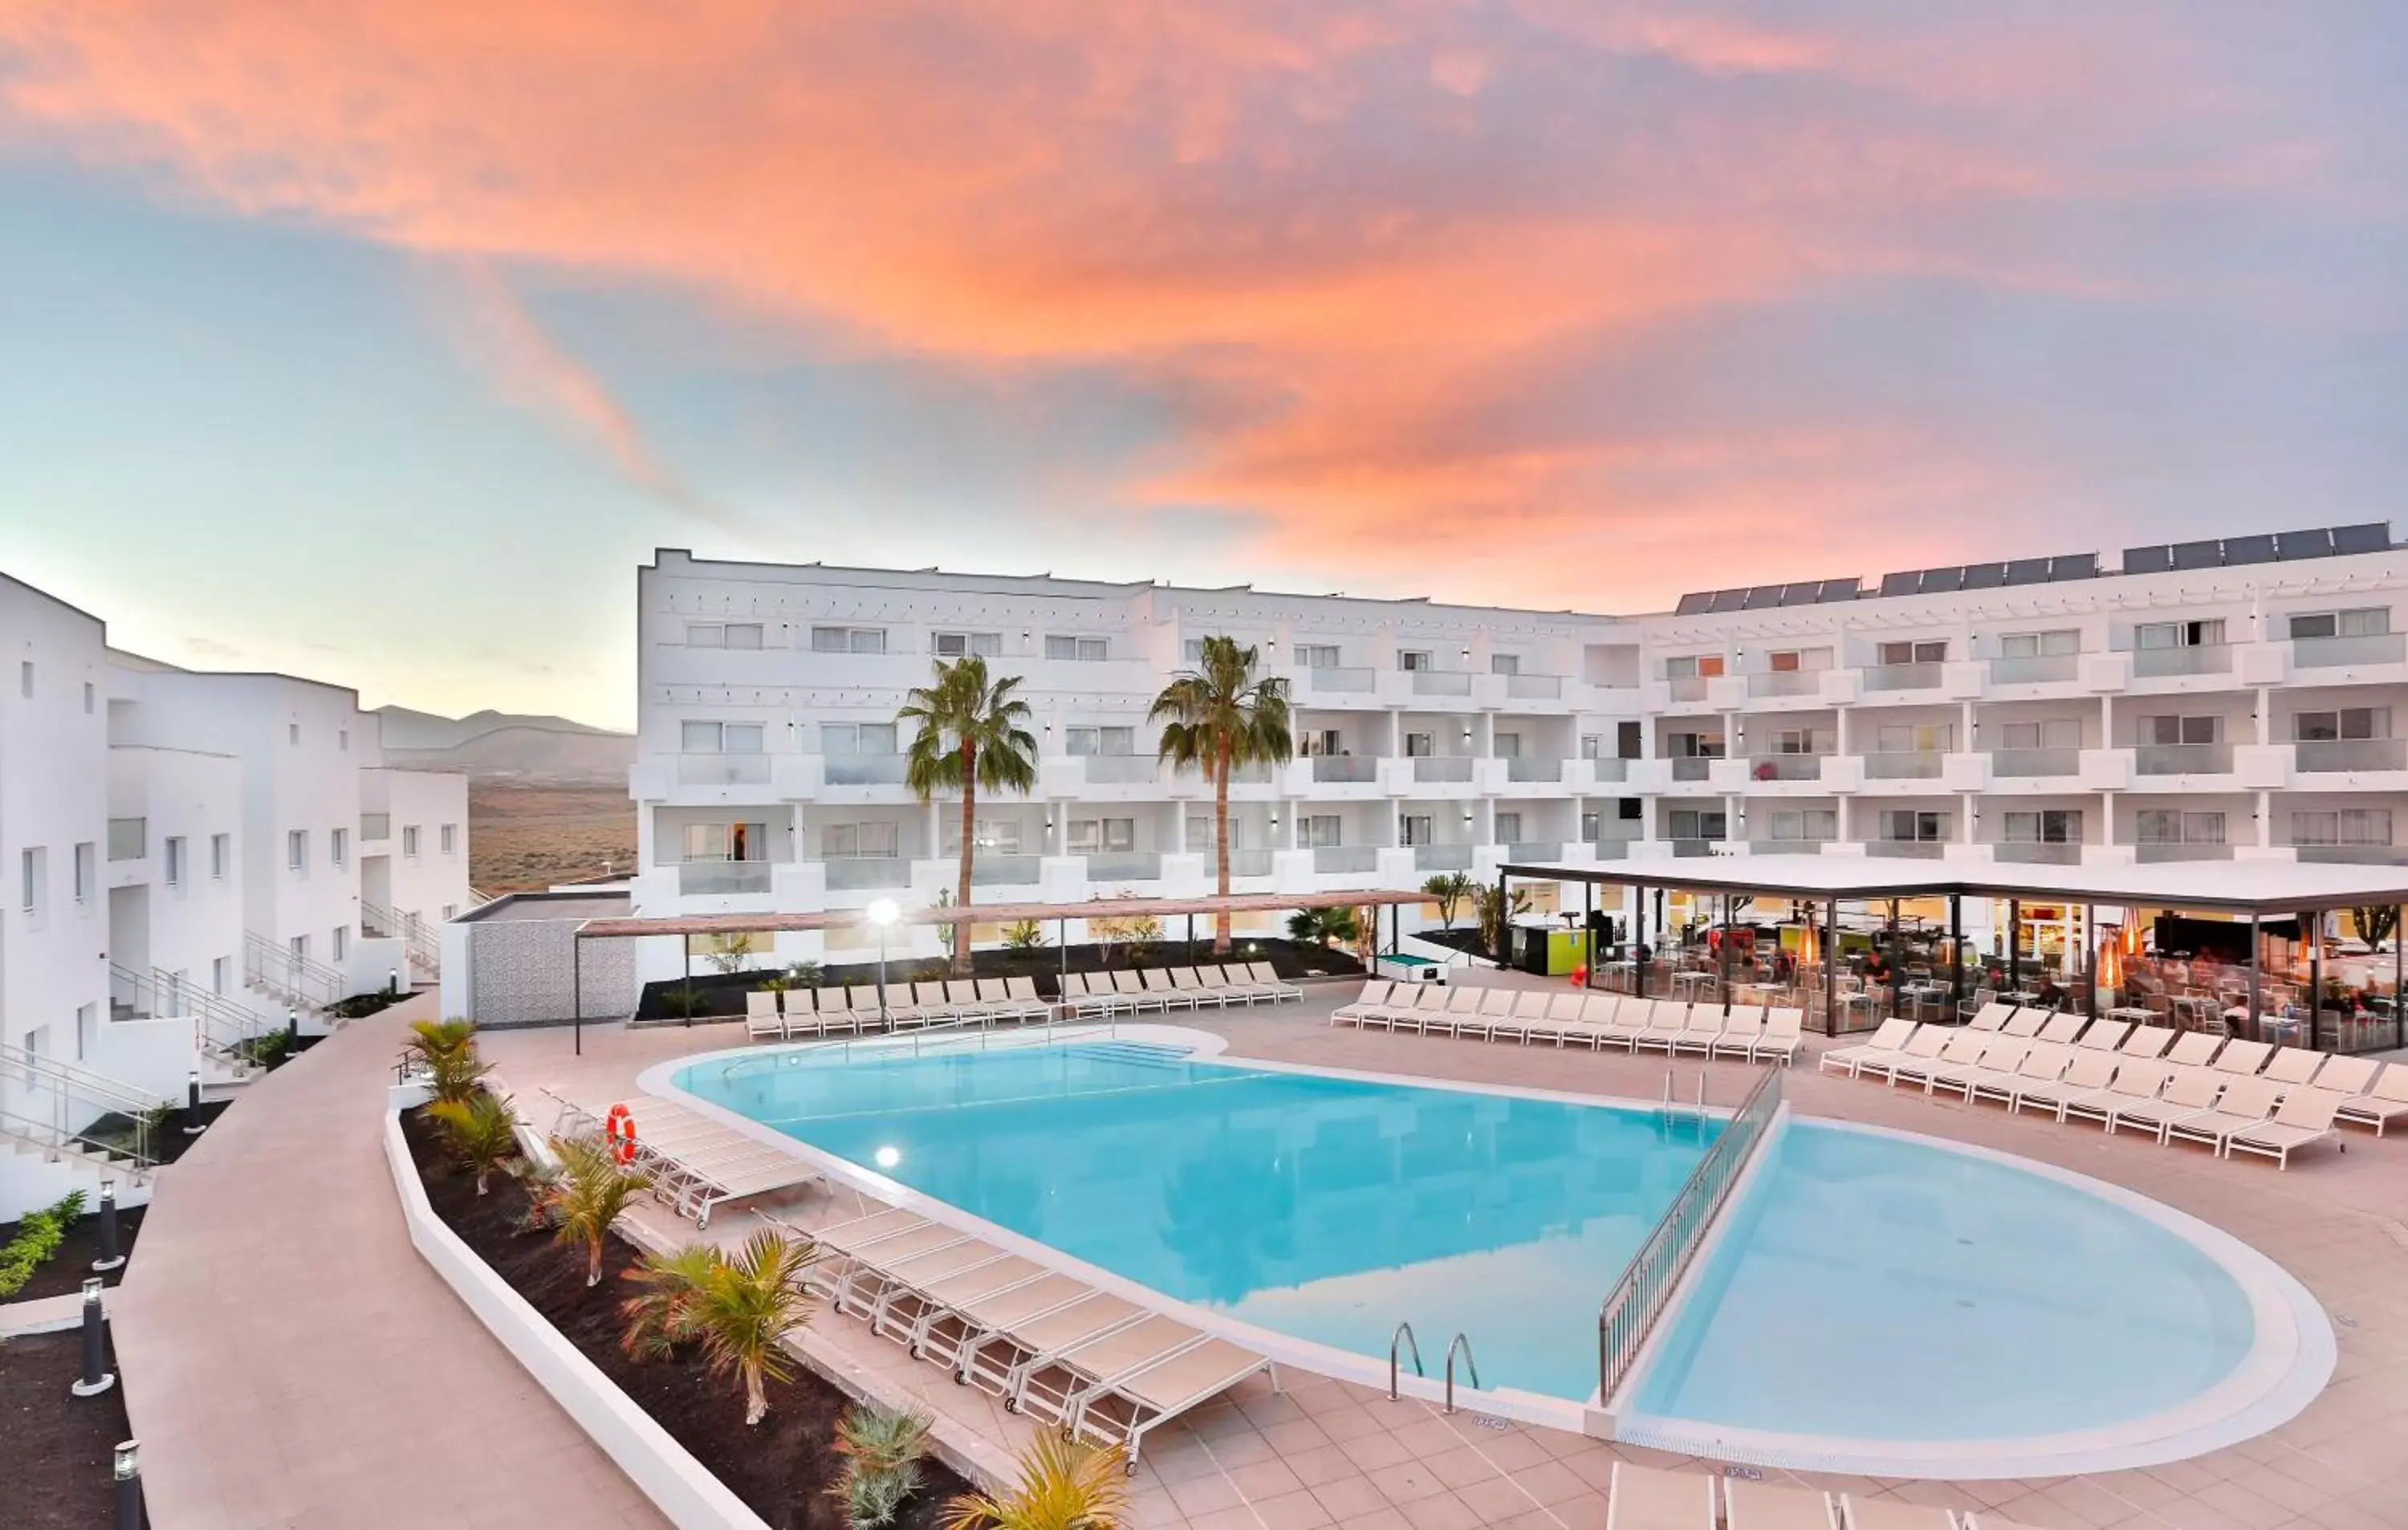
point(1324, 1453)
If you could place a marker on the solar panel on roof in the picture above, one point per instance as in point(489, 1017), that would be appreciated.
point(2073, 566)
point(2197, 555)
point(1763, 596)
point(2292, 546)
point(1985, 576)
point(2249, 549)
point(2028, 571)
point(1731, 600)
point(1800, 594)
point(1839, 589)
point(1901, 584)
point(1939, 580)
point(2148, 560)
point(1697, 603)
point(2370, 536)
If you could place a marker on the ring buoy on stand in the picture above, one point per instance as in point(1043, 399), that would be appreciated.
point(620, 1128)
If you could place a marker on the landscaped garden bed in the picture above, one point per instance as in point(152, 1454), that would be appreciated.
point(59, 1447)
point(69, 1265)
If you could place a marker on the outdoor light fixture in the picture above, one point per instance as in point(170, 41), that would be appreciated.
point(95, 1379)
point(126, 1471)
point(109, 1258)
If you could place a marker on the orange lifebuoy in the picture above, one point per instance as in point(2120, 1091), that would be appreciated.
point(620, 1128)
point(1580, 977)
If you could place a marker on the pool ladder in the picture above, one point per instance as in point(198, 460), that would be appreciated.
point(1403, 1337)
point(1701, 1105)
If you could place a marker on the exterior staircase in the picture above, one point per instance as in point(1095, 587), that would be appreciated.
point(286, 977)
point(93, 1126)
point(221, 1027)
point(420, 943)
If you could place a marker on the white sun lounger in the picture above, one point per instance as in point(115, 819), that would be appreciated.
point(2043, 1063)
point(2190, 1092)
point(1762, 1506)
point(865, 1279)
point(1706, 1024)
point(2000, 1057)
point(2381, 1102)
point(2293, 1067)
point(999, 1361)
point(761, 1021)
point(948, 1334)
point(934, 1297)
point(2061, 1030)
point(2086, 1071)
point(1367, 997)
point(2304, 1117)
point(1785, 1032)
point(2248, 1100)
point(1032, 1004)
point(1933, 1046)
point(2136, 1078)
point(1669, 1019)
point(2146, 1042)
point(2243, 1058)
point(1892, 1514)
point(894, 1295)
point(1053, 1387)
point(2026, 1023)
point(1739, 1037)
point(1266, 976)
point(1993, 1017)
point(2194, 1049)
point(1650, 1498)
point(2103, 1035)
point(1158, 986)
point(1123, 1410)
point(1890, 1039)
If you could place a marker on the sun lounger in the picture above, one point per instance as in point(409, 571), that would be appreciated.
point(999, 1361)
point(2304, 1117)
point(1459, 1013)
point(2084, 1072)
point(1184, 982)
point(831, 1015)
point(1217, 985)
point(1891, 1514)
point(1129, 986)
point(2188, 1093)
point(1785, 1032)
point(1628, 1021)
point(2194, 1049)
point(898, 1300)
point(1242, 982)
point(1762, 1506)
point(1053, 1387)
point(2044, 1063)
point(1705, 1028)
point(2000, 1057)
point(1157, 983)
point(1367, 997)
point(1649, 1498)
point(1926, 1049)
point(1124, 1409)
point(2293, 1067)
point(929, 1004)
point(2136, 1078)
point(1669, 1019)
point(1441, 1010)
point(1409, 1008)
point(934, 1297)
point(1739, 1037)
point(865, 1279)
point(1892, 1037)
point(2026, 1023)
point(761, 1021)
point(1266, 976)
point(1520, 1013)
point(1563, 1016)
point(1032, 1004)
point(1992, 1017)
point(2248, 1100)
point(2243, 1058)
point(2380, 1102)
point(2145, 1042)
point(2060, 1030)
point(2104, 1035)
point(2348, 1075)
point(964, 1317)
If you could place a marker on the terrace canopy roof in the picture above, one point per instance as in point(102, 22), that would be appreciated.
point(993, 913)
point(2248, 887)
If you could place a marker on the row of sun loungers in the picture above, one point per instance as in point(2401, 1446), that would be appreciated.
point(696, 1162)
point(1596, 1021)
point(1651, 1498)
point(2233, 1095)
point(1124, 992)
point(807, 1013)
point(1047, 1344)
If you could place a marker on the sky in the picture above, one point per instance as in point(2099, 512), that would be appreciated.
point(382, 342)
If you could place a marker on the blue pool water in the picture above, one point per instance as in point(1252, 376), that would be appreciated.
point(1868, 1286)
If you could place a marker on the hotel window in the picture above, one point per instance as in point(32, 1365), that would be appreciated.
point(963, 645)
point(1200, 836)
point(2366, 621)
point(2040, 645)
point(1802, 741)
point(872, 841)
point(342, 947)
point(1591, 826)
point(1060, 645)
point(2165, 827)
point(858, 739)
point(1420, 744)
point(2348, 826)
point(744, 634)
point(410, 841)
point(1806, 824)
point(1592, 746)
point(1631, 808)
point(2156, 635)
point(1789, 659)
point(84, 865)
point(343, 739)
point(220, 973)
point(299, 947)
point(450, 835)
point(339, 847)
point(87, 698)
point(2181, 730)
point(1504, 663)
point(1316, 655)
point(726, 842)
point(1691, 667)
point(1508, 746)
point(722, 739)
point(1323, 831)
point(292, 734)
point(999, 835)
point(1698, 823)
point(221, 855)
point(848, 639)
point(30, 877)
point(2048, 733)
point(174, 861)
point(1102, 836)
point(1913, 653)
point(1415, 829)
point(2350, 723)
point(25, 678)
point(1318, 741)
point(1915, 738)
point(1115, 741)
point(1414, 658)
point(1906, 826)
point(1691, 746)
point(450, 912)
point(1192, 651)
point(297, 850)
point(1509, 829)
point(2052, 826)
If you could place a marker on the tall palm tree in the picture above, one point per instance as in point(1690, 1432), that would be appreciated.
point(1215, 717)
point(739, 1308)
point(973, 733)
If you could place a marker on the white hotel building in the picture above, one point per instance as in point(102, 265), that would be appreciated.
point(2216, 699)
point(188, 855)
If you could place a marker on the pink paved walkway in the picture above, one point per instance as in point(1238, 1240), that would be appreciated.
point(291, 1362)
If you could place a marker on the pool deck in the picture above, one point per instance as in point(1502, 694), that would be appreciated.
point(1327, 1453)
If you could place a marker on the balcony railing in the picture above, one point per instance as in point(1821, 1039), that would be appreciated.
point(1442, 682)
point(1785, 682)
point(1441, 857)
point(1692, 767)
point(1534, 687)
point(1014, 870)
point(1609, 849)
point(853, 873)
point(863, 770)
point(1243, 863)
point(1344, 768)
point(1789, 847)
point(2053, 759)
point(2356, 854)
point(2332, 754)
point(1690, 848)
point(1345, 857)
point(2194, 658)
point(1906, 676)
point(1125, 866)
point(1338, 678)
point(1905, 849)
point(2377, 648)
point(2036, 853)
point(1903, 765)
point(2031, 668)
point(1530, 769)
point(1437, 767)
point(1535, 851)
point(1687, 687)
point(1612, 769)
point(376, 826)
point(129, 839)
point(2148, 853)
point(1121, 769)
point(2183, 760)
point(1785, 767)
point(723, 769)
point(720, 878)
point(1258, 774)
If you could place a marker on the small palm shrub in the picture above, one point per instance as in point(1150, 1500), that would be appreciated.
point(433, 1038)
point(740, 1308)
point(591, 1193)
point(1026, 934)
point(481, 1132)
point(1064, 1484)
point(881, 1449)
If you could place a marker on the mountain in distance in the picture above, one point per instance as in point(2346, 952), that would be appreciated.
point(506, 746)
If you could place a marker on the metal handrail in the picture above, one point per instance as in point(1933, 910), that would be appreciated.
point(270, 965)
point(218, 1023)
point(1405, 1333)
point(57, 1136)
point(1470, 1363)
point(1637, 1300)
point(39, 1068)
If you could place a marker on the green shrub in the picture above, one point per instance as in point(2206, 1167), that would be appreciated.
point(38, 1236)
point(684, 1001)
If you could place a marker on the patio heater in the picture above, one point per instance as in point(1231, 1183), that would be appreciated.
point(882, 912)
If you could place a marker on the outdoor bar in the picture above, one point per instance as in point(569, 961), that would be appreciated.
point(2294, 953)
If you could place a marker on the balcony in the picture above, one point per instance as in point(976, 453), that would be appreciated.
point(1345, 767)
point(2183, 760)
point(1905, 849)
point(1904, 766)
point(1693, 767)
point(1535, 851)
point(2050, 761)
point(723, 770)
point(2378, 648)
point(1535, 771)
point(1785, 683)
point(2355, 854)
point(2327, 755)
point(1124, 865)
point(1687, 687)
point(1692, 849)
point(2036, 853)
point(1441, 857)
point(1004, 870)
point(2035, 668)
point(1905, 677)
point(853, 874)
point(1787, 847)
point(1242, 862)
point(1258, 774)
point(1345, 858)
point(2150, 853)
point(721, 879)
point(375, 827)
point(1785, 767)
point(1337, 678)
point(2194, 658)
point(863, 770)
point(129, 839)
point(1609, 849)
point(1121, 769)
point(1433, 768)
point(1442, 682)
point(1534, 687)
point(1611, 769)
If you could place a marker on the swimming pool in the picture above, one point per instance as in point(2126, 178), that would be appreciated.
point(1873, 1297)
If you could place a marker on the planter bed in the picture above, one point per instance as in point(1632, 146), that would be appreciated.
point(64, 1272)
point(783, 1467)
point(59, 1447)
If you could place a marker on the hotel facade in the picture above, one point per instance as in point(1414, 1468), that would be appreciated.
point(2231, 699)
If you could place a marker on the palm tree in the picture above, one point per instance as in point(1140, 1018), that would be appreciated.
point(972, 734)
point(433, 1038)
point(740, 1308)
point(1064, 1484)
point(481, 1131)
point(1449, 889)
point(1215, 717)
point(592, 1190)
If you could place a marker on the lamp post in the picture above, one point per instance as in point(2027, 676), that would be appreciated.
point(125, 1471)
point(882, 912)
